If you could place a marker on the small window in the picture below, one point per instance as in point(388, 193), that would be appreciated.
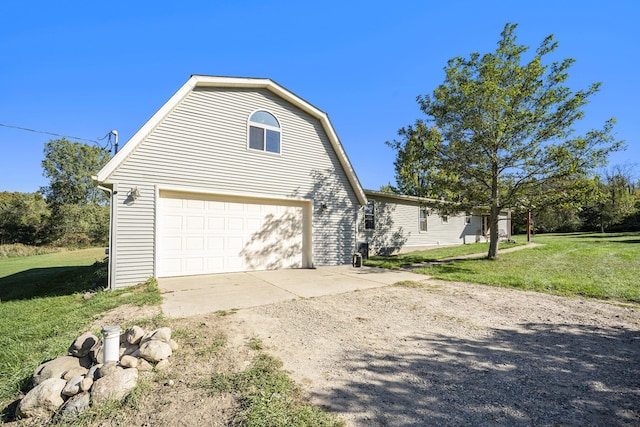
point(445, 219)
point(423, 219)
point(264, 132)
point(467, 219)
point(369, 216)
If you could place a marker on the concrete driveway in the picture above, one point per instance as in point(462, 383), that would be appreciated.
point(192, 295)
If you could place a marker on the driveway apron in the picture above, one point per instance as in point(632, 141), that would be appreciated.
point(193, 295)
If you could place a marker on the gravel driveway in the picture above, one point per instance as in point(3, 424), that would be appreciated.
point(457, 354)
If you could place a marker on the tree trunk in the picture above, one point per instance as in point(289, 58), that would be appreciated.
point(493, 232)
point(495, 211)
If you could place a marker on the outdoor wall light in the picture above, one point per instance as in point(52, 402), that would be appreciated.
point(323, 207)
point(134, 193)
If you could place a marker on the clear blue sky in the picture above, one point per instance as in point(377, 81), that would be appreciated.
point(84, 68)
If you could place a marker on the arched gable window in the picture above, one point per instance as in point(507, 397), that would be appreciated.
point(264, 132)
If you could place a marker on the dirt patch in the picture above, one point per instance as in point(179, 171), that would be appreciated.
point(437, 354)
point(458, 354)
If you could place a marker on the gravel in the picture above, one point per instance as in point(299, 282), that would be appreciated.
point(457, 354)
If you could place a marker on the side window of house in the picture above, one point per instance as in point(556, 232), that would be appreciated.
point(264, 132)
point(423, 219)
point(445, 219)
point(369, 216)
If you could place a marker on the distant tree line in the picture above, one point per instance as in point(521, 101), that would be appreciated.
point(70, 211)
point(609, 201)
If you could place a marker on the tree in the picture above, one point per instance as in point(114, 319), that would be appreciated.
point(79, 225)
point(23, 218)
point(69, 167)
point(617, 202)
point(498, 130)
point(78, 213)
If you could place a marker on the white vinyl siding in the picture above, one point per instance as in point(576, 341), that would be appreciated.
point(202, 144)
point(399, 223)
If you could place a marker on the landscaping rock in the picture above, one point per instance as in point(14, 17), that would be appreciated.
point(162, 365)
point(155, 351)
point(129, 362)
point(73, 386)
point(143, 365)
point(115, 386)
point(134, 335)
point(160, 334)
point(107, 369)
point(97, 352)
point(55, 368)
point(93, 372)
point(127, 349)
point(86, 383)
point(82, 379)
point(83, 344)
point(74, 372)
point(75, 406)
point(43, 400)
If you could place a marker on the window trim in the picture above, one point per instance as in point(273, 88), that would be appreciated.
point(423, 221)
point(264, 128)
point(369, 223)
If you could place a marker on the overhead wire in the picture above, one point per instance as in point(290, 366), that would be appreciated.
point(106, 147)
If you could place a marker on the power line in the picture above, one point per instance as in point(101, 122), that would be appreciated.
point(51, 133)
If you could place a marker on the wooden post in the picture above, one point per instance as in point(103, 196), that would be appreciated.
point(529, 225)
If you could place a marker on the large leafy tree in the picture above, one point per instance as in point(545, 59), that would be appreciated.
point(78, 212)
point(69, 167)
point(23, 218)
point(500, 129)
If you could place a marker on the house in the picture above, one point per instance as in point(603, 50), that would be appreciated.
point(393, 223)
point(240, 174)
point(231, 174)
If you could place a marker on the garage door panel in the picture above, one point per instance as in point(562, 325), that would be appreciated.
point(216, 223)
point(234, 243)
point(173, 222)
point(215, 243)
point(195, 223)
point(214, 236)
point(235, 224)
point(215, 263)
point(195, 264)
point(195, 204)
point(195, 243)
point(172, 243)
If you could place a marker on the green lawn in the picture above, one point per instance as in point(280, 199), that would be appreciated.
point(42, 310)
point(404, 260)
point(601, 266)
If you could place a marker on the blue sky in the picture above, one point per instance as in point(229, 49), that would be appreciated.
point(84, 68)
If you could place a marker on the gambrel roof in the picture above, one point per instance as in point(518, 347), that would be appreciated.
point(235, 82)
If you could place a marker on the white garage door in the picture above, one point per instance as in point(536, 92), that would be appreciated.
point(203, 236)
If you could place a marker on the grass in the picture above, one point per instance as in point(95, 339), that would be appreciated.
point(268, 397)
point(403, 260)
point(52, 274)
point(602, 266)
point(20, 250)
point(42, 310)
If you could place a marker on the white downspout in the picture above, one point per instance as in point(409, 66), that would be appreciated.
point(111, 254)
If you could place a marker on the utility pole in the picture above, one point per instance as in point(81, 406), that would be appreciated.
point(115, 134)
